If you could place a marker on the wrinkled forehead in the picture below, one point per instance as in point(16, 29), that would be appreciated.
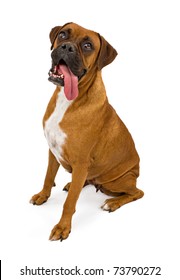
point(79, 33)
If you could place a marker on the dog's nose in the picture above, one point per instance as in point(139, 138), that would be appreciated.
point(67, 47)
point(65, 51)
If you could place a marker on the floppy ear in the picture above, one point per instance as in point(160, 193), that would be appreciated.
point(107, 53)
point(53, 34)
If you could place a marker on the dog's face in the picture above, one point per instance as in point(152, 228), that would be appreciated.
point(76, 53)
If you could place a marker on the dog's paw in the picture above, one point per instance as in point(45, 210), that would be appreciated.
point(39, 198)
point(111, 205)
point(66, 188)
point(60, 232)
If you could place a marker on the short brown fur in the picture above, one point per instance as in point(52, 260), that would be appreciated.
point(99, 149)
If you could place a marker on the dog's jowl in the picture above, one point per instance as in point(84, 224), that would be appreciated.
point(83, 131)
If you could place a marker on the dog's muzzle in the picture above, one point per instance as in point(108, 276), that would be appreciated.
point(67, 69)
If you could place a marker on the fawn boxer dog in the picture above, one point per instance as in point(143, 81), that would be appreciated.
point(83, 131)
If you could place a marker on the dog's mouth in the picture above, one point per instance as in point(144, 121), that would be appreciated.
point(61, 75)
point(56, 76)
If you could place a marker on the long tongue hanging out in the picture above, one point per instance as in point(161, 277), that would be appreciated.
point(70, 82)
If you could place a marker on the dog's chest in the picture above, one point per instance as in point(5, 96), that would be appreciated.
point(52, 129)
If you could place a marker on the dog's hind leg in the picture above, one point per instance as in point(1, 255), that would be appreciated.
point(52, 169)
point(124, 191)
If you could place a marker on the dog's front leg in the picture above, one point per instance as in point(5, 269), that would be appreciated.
point(44, 194)
point(63, 228)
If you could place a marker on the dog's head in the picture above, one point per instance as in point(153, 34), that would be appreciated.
point(76, 52)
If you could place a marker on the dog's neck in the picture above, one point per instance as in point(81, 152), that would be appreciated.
point(89, 88)
point(89, 92)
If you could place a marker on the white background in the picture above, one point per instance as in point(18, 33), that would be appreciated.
point(143, 84)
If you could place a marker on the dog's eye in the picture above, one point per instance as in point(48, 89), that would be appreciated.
point(62, 35)
point(87, 46)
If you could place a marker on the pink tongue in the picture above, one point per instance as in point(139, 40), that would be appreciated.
point(70, 82)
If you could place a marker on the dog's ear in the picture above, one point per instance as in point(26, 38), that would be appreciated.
point(53, 34)
point(107, 53)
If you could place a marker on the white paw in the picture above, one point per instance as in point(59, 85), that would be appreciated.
point(105, 207)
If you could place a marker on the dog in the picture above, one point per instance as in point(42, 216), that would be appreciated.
point(83, 131)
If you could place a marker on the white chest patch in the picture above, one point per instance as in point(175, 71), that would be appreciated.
point(54, 134)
